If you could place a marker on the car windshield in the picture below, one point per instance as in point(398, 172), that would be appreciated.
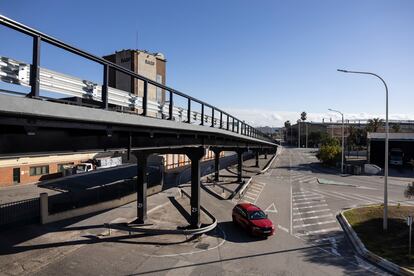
point(257, 215)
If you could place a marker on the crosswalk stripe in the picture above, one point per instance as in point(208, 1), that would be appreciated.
point(317, 231)
point(309, 202)
point(313, 224)
point(314, 217)
point(312, 212)
point(328, 194)
point(307, 198)
point(309, 207)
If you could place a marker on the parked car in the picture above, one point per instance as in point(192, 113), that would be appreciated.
point(253, 219)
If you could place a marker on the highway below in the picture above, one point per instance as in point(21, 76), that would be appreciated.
point(308, 239)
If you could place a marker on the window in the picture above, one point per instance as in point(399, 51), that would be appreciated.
point(39, 170)
point(61, 167)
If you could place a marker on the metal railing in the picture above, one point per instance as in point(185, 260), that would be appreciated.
point(109, 95)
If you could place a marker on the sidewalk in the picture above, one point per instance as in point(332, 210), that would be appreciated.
point(25, 250)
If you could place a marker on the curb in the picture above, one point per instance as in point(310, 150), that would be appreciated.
point(198, 231)
point(362, 251)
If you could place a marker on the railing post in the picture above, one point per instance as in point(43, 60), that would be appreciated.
point(221, 119)
point(189, 111)
point(34, 71)
point(232, 122)
point(228, 121)
point(212, 117)
point(171, 107)
point(104, 95)
point(202, 114)
point(145, 99)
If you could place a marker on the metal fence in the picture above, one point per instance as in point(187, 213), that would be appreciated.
point(109, 98)
point(19, 213)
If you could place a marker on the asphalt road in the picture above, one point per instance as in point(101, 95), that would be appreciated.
point(308, 240)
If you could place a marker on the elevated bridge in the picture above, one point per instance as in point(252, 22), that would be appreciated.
point(90, 116)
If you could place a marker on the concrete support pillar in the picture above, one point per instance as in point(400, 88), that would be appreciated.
point(240, 164)
point(195, 156)
point(142, 179)
point(265, 153)
point(216, 163)
point(257, 158)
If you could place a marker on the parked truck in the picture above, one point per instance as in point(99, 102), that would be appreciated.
point(98, 163)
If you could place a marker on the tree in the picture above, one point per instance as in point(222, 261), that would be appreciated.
point(303, 116)
point(396, 127)
point(330, 151)
point(287, 124)
point(374, 124)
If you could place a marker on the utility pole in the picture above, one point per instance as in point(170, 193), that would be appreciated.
point(306, 125)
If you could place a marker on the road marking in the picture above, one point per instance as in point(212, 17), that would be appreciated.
point(309, 202)
point(309, 207)
point(314, 217)
point(282, 228)
point(305, 195)
point(313, 224)
point(317, 231)
point(328, 194)
point(308, 198)
point(271, 208)
point(252, 193)
point(312, 212)
point(249, 197)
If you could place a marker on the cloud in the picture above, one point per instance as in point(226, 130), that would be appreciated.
point(257, 117)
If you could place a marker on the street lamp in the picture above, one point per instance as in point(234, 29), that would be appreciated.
point(342, 162)
point(298, 121)
point(385, 220)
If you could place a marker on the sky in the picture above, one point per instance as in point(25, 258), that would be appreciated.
point(263, 61)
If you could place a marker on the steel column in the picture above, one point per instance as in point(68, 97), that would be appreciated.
point(202, 115)
point(189, 111)
point(216, 164)
point(212, 117)
point(34, 70)
point(142, 178)
point(170, 110)
point(105, 83)
point(221, 119)
point(240, 164)
point(145, 100)
point(195, 157)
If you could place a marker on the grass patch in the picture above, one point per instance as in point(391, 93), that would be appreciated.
point(391, 245)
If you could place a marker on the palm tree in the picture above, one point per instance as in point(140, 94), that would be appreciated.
point(303, 116)
point(374, 124)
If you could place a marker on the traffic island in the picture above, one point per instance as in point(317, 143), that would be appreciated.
point(171, 218)
point(388, 249)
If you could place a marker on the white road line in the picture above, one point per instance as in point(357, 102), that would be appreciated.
point(309, 202)
point(255, 194)
point(312, 212)
point(354, 197)
point(308, 198)
point(318, 231)
point(254, 189)
point(249, 197)
point(259, 195)
point(282, 228)
point(328, 194)
point(313, 224)
point(305, 195)
point(309, 207)
point(314, 217)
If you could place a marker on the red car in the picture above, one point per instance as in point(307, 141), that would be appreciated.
point(253, 219)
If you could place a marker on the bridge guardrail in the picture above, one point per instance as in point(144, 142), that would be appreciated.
point(35, 77)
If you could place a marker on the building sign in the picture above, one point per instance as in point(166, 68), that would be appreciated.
point(149, 62)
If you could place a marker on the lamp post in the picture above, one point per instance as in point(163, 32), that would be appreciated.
point(298, 121)
point(343, 138)
point(385, 219)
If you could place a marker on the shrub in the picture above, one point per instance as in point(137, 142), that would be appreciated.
point(329, 154)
